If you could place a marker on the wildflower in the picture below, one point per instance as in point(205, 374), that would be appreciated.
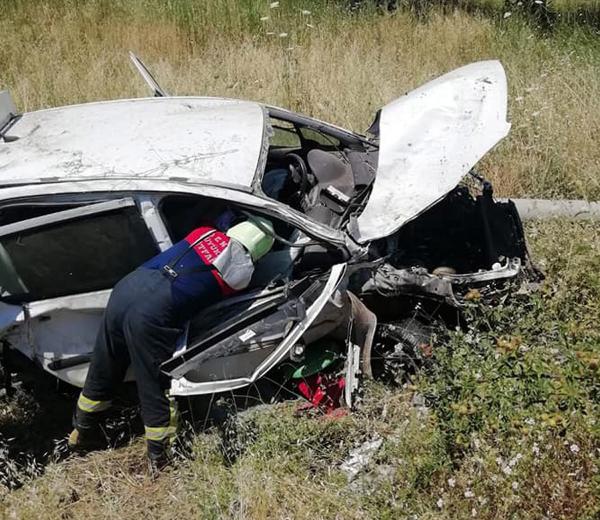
point(473, 512)
point(535, 448)
point(512, 463)
point(469, 494)
point(440, 503)
point(515, 486)
point(574, 448)
point(507, 14)
point(508, 345)
point(451, 482)
point(274, 5)
point(507, 470)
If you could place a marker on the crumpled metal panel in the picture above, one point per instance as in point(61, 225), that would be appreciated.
point(205, 140)
point(184, 387)
point(429, 140)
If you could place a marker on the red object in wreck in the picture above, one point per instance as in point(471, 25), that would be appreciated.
point(323, 391)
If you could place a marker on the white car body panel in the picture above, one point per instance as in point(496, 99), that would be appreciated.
point(57, 329)
point(429, 140)
point(206, 140)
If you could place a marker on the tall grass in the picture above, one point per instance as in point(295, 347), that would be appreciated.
point(320, 58)
point(488, 403)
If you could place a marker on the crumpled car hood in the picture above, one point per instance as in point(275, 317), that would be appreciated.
point(429, 139)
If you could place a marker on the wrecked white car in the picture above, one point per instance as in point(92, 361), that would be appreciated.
point(368, 227)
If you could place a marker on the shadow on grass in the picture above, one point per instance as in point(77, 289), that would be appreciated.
point(36, 420)
point(539, 13)
point(33, 422)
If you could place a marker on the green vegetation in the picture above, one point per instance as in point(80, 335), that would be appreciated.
point(511, 425)
point(510, 429)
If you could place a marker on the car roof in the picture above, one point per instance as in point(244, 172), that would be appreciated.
point(194, 139)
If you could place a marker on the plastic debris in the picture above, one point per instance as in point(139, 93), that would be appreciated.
point(323, 391)
point(360, 457)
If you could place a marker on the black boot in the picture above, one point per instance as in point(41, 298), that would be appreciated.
point(84, 441)
point(87, 434)
point(159, 456)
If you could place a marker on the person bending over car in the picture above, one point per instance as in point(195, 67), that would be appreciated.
point(146, 314)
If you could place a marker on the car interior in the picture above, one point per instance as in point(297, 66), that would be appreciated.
point(317, 173)
point(182, 213)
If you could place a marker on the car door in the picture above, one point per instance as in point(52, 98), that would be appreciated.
point(56, 274)
point(245, 347)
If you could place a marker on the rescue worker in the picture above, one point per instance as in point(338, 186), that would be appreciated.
point(147, 313)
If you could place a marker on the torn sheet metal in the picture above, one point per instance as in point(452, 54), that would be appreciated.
point(197, 139)
point(364, 326)
point(429, 140)
point(352, 373)
point(390, 281)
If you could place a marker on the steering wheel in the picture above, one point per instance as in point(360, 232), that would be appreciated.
point(298, 171)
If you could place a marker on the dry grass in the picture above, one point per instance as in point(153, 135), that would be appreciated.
point(341, 69)
point(507, 433)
